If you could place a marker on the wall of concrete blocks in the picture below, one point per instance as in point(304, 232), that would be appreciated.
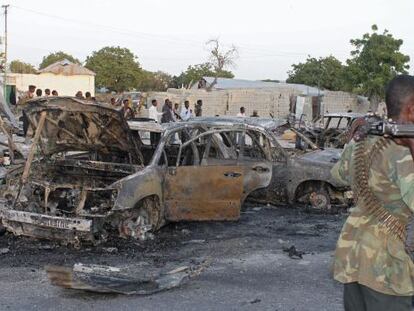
point(265, 101)
point(342, 102)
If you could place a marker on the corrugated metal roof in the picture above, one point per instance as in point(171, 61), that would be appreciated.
point(226, 83)
point(67, 68)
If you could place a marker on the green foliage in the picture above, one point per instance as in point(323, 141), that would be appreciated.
point(155, 81)
point(325, 72)
point(195, 72)
point(116, 68)
point(55, 57)
point(17, 66)
point(375, 60)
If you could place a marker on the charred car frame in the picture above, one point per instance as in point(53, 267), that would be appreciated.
point(94, 176)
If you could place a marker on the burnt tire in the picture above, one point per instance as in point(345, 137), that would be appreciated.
point(320, 200)
point(315, 195)
point(141, 221)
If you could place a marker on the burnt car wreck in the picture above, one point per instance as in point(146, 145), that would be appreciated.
point(330, 130)
point(298, 175)
point(94, 177)
point(90, 175)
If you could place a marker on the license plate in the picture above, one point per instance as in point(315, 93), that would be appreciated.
point(41, 220)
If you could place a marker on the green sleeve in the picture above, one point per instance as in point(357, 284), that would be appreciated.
point(341, 170)
point(405, 179)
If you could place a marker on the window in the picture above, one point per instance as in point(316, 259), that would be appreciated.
point(255, 145)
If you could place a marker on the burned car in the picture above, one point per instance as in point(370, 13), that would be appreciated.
point(297, 175)
point(330, 130)
point(93, 176)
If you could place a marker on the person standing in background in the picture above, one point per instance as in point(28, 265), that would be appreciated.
point(79, 95)
point(198, 110)
point(242, 113)
point(126, 110)
point(155, 115)
point(175, 111)
point(153, 112)
point(21, 104)
point(168, 114)
point(186, 112)
point(88, 96)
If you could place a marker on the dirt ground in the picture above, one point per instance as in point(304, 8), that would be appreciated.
point(249, 268)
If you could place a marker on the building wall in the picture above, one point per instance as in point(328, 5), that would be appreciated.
point(273, 101)
point(64, 85)
point(342, 102)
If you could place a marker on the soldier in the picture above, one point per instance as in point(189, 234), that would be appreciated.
point(371, 258)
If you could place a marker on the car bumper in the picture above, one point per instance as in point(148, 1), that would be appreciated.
point(46, 226)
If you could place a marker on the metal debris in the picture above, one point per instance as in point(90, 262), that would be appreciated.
point(106, 279)
point(293, 253)
point(4, 250)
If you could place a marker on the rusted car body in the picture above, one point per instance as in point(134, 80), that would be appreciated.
point(297, 175)
point(95, 177)
point(330, 130)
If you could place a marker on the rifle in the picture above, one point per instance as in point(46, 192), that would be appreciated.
point(374, 125)
point(390, 128)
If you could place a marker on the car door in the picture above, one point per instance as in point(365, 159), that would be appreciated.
point(255, 157)
point(199, 190)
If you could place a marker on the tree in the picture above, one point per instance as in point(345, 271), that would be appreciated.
point(155, 81)
point(375, 60)
point(195, 72)
point(220, 59)
point(116, 68)
point(325, 73)
point(55, 57)
point(18, 66)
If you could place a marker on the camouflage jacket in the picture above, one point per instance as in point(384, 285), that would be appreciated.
point(365, 252)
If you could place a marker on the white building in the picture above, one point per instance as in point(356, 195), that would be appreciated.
point(65, 77)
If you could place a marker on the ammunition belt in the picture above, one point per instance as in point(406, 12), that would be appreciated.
point(365, 197)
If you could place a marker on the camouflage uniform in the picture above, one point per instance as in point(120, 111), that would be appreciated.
point(366, 253)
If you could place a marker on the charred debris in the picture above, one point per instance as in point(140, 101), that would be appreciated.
point(88, 173)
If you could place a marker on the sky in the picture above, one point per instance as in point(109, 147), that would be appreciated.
point(270, 35)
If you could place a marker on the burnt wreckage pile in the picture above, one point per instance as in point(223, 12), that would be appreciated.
point(89, 174)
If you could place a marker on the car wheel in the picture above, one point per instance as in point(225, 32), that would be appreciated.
point(320, 200)
point(140, 222)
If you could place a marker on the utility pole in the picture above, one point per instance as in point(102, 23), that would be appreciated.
point(5, 7)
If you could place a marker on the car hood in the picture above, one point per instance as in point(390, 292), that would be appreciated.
point(328, 156)
point(75, 125)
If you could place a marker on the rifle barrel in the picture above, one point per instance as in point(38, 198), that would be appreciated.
point(399, 130)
